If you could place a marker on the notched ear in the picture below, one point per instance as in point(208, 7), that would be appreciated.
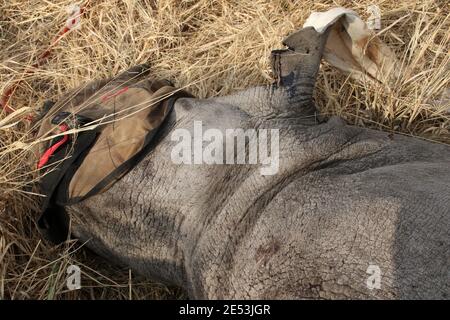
point(296, 69)
point(298, 65)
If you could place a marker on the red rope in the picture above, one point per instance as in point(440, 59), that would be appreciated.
point(9, 91)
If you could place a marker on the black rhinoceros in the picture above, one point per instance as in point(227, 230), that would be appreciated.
point(344, 212)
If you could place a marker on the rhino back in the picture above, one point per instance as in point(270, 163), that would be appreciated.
point(315, 230)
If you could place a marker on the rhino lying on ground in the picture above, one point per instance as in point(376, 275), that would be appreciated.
point(349, 213)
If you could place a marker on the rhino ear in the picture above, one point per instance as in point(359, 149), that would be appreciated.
point(296, 67)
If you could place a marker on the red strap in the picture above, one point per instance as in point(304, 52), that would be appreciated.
point(50, 151)
point(9, 91)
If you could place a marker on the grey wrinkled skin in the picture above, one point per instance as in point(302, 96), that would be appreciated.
point(344, 198)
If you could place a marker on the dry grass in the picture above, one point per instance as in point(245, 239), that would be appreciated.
point(214, 48)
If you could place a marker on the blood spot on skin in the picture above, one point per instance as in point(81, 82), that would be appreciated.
point(265, 252)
